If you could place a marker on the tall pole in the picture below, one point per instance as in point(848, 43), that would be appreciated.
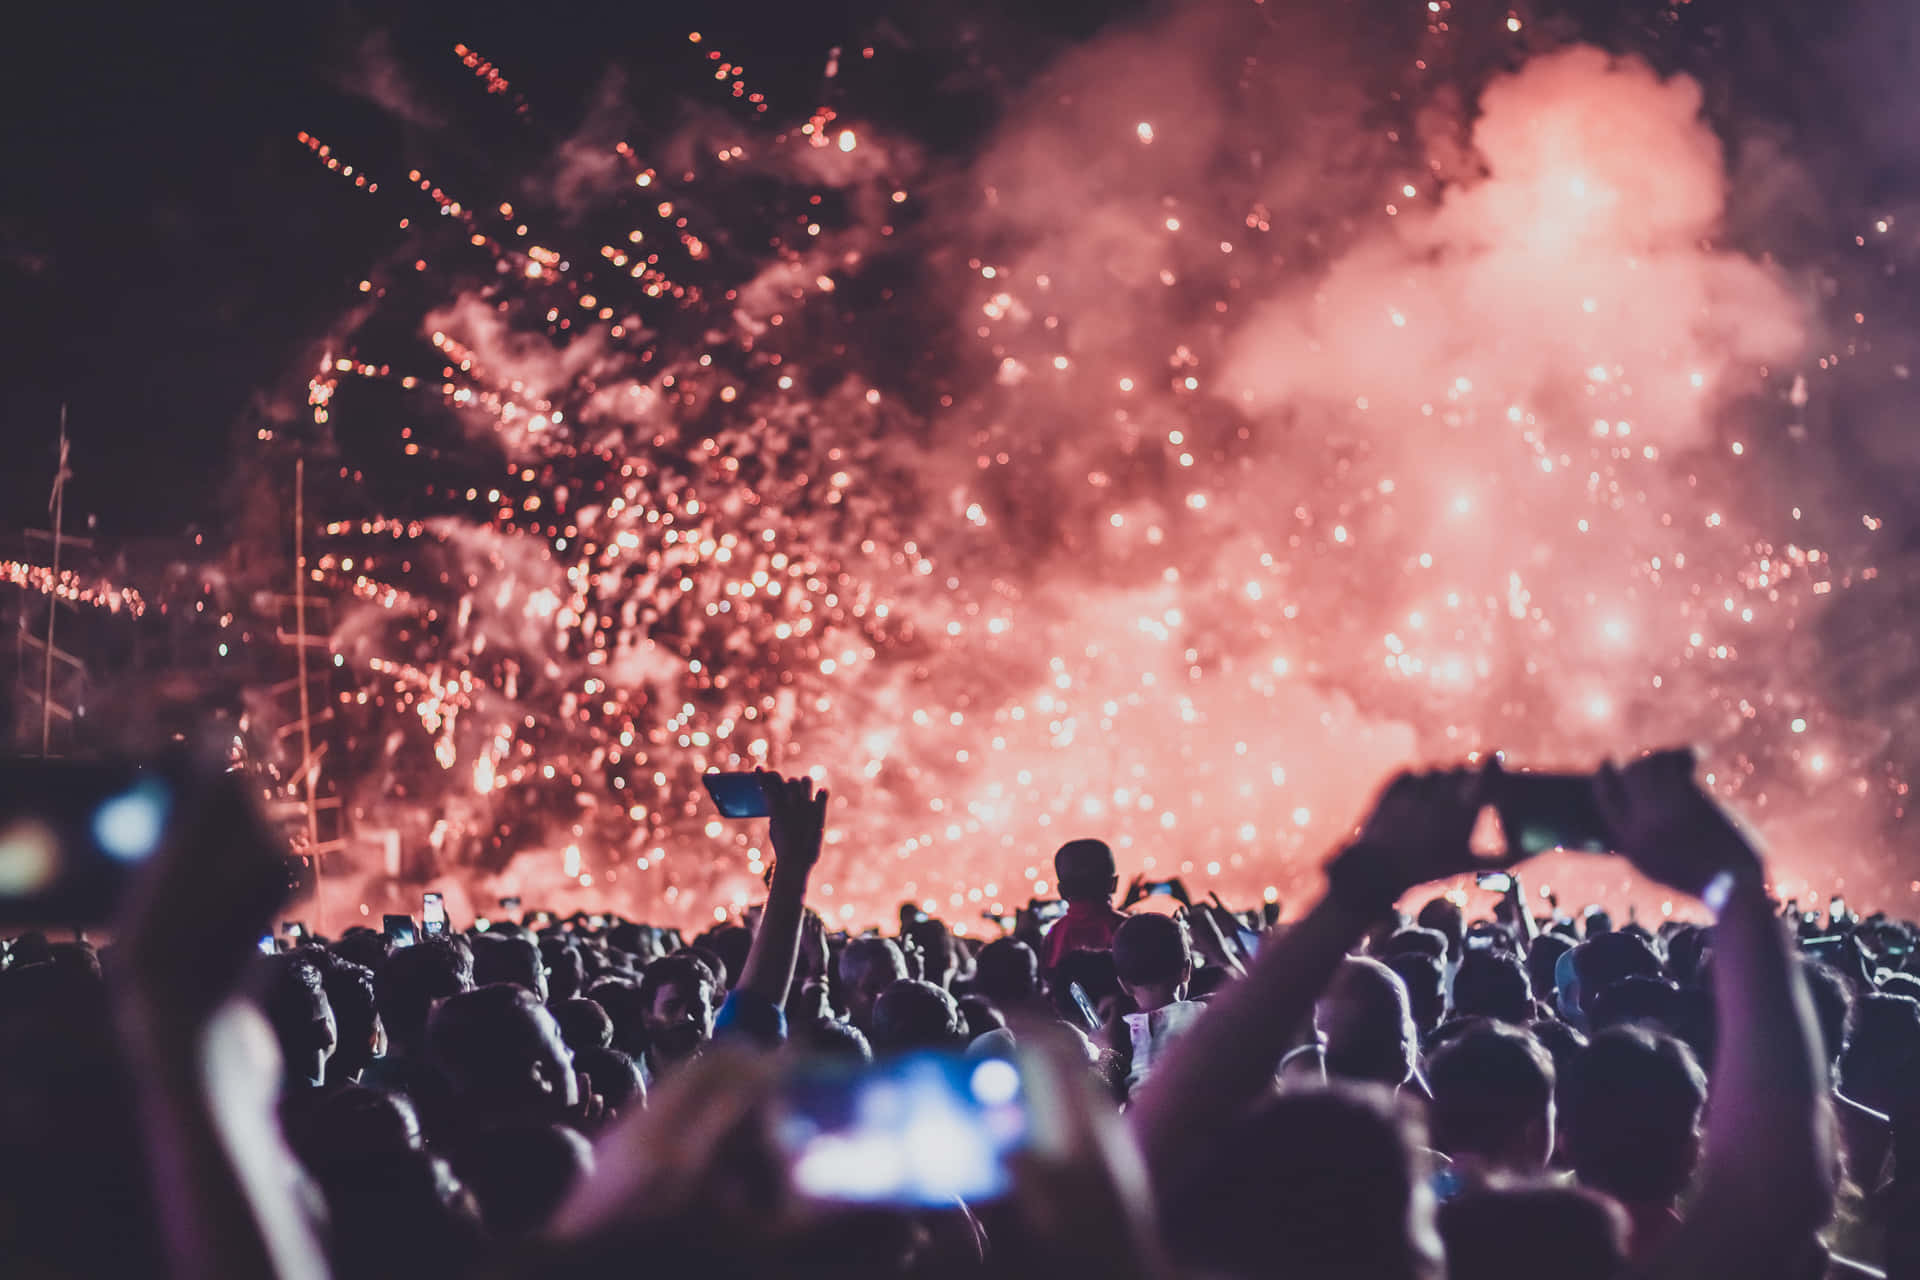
point(58, 503)
point(300, 657)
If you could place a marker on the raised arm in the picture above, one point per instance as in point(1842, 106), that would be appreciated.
point(796, 825)
point(1418, 832)
point(1766, 1184)
point(229, 1195)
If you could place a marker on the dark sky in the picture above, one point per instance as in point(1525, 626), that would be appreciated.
point(169, 251)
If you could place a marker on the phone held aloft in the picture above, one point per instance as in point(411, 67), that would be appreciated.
point(737, 795)
point(1542, 811)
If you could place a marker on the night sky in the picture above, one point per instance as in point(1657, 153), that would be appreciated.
point(169, 252)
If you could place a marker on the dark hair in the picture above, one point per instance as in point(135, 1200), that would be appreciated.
point(1150, 949)
point(1084, 870)
point(1504, 1233)
point(1636, 1000)
point(937, 945)
point(481, 1040)
point(354, 1124)
point(1542, 958)
point(1489, 1084)
point(1006, 972)
point(729, 942)
point(1602, 961)
point(356, 1012)
point(1493, 984)
point(980, 1015)
point(627, 1011)
point(497, 958)
point(862, 953)
point(1881, 1060)
point(520, 1174)
point(362, 946)
point(1425, 978)
point(583, 1023)
point(913, 1014)
point(412, 979)
point(1446, 919)
point(832, 1038)
point(1368, 1023)
point(1630, 1106)
point(1417, 941)
point(1318, 1180)
point(1832, 1002)
point(1564, 1043)
point(1093, 970)
point(614, 1075)
point(401, 1212)
point(680, 970)
point(566, 963)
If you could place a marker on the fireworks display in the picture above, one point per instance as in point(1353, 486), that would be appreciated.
point(1238, 422)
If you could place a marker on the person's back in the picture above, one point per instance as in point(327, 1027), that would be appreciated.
point(1085, 874)
point(501, 1054)
point(1492, 984)
point(915, 1014)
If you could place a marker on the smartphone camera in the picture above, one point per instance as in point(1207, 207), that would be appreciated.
point(433, 916)
point(916, 1131)
point(737, 795)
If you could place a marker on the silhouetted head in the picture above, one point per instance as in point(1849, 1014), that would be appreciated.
point(584, 1023)
point(521, 1173)
point(676, 1005)
point(914, 1014)
point(1084, 871)
point(1094, 971)
point(1542, 956)
point(1425, 978)
point(1609, 958)
point(1631, 1106)
point(354, 1124)
point(1368, 1024)
point(980, 1015)
point(409, 983)
point(1318, 1184)
point(1446, 919)
point(1414, 941)
point(867, 967)
point(356, 1017)
point(1492, 984)
point(566, 967)
point(1493, 1098)
point(401, 1213)
point(615, 1076)
point(1153, 959)
point(296, 1006)
point(501, 1051)
point(1832, 1002)
point(1522, 1232)
point(499, 958)
point(832, 1038)
point(1007, 972)
point(1880, 1066)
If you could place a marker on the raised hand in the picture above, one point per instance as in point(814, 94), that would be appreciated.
point(1136, 891)
point(797, 818)
point(1671, 830)
point(1418, 832)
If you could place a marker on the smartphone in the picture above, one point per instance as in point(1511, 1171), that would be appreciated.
point(737, 795)
point(1159, 888)
point(433, 915)
point(1836, 910)
point(293, 929)
point(399, 930)
point(1051, 909)
point(1087, 1011)
point(909, 1132)
point(1829, 948)
point(481, 924)
point(1494, 881)
point(74, 833)
point(511, 906)
point(268, 947)
point(1542, 811)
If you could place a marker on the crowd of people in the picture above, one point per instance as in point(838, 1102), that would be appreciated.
point(1356, 1092)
